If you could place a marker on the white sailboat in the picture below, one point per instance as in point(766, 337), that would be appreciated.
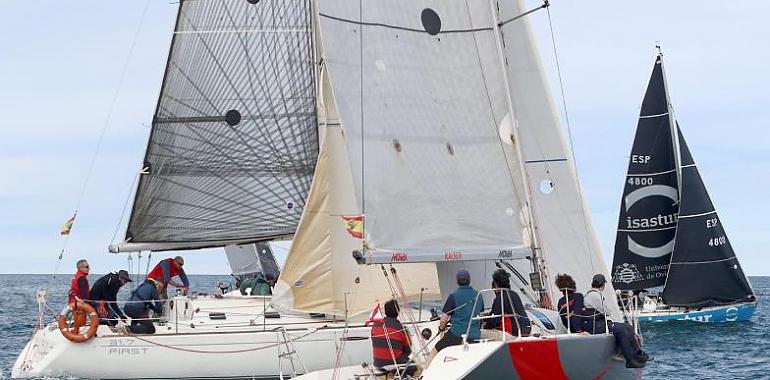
point(418, 133)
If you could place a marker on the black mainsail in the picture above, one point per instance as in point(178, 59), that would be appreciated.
point(234, 137)
point(649, 207)
point(704, 270)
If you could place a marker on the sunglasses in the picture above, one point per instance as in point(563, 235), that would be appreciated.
point(84, 266)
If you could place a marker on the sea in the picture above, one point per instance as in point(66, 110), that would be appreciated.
point(681, 350)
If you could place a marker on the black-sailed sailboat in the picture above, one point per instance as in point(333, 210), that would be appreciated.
point(671, 248)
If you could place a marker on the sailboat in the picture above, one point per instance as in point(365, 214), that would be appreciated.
point(393, 142)
point(671, 247)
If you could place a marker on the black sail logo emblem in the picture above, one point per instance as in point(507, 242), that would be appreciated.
point(642, 193)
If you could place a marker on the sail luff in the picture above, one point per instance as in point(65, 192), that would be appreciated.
point(114, 248)
point(648, 209)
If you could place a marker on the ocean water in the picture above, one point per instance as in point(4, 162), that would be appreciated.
point(682, 350)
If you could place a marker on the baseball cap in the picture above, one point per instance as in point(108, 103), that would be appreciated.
point(124, 275)
point(463, 276)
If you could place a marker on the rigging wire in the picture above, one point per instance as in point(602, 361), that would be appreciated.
point(103, 131)
point(569, 127)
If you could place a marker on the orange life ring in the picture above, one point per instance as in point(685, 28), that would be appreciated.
point(81, 312)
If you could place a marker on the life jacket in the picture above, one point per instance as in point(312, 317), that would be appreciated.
point(75, 289)
point(157, 272)
point(461, 317)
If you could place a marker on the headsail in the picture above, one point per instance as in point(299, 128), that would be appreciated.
point(704, 270)
point(234, 137)
point(650, 203)
point(566, 237)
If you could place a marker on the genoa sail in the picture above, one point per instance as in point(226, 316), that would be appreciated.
point(648, 210)
point(566, 237)
point(234, 138)
point(704, 270)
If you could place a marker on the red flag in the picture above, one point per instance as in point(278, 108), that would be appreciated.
point(375, 317)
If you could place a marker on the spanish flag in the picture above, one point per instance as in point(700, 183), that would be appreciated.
point(67, 227)
point(355, 226)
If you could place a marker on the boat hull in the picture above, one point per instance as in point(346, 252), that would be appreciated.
point(248, 354)
point(717, 314)
point(571, 356)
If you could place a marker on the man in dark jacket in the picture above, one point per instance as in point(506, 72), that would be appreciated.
point(571, 308)
point(104, 294)
point(516, 315)
point(146, 297)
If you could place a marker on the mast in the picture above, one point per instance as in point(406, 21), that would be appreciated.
point(535, 245)
point(672, 124)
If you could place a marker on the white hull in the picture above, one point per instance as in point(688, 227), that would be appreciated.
point(243, 345)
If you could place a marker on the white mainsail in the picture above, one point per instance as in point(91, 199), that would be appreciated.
point(421, 113)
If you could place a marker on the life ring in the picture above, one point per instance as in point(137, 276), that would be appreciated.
point(81, 312)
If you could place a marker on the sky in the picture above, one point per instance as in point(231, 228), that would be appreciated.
point(61, 65)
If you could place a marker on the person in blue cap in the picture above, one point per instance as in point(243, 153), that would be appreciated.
point(459, 309)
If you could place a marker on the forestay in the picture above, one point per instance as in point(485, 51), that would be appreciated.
point(421, 97)
point(234, 137)
point(650, 204)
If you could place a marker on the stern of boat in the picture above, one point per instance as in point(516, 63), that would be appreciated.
point(574, 356)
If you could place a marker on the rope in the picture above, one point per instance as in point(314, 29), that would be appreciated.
point(125, 207)
point(272, 345)
point(409, 313)
point(102, 132)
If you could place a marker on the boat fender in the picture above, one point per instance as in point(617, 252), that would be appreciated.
point(81, 312)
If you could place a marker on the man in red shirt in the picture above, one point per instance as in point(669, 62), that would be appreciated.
point(164, 272)
point(390, 343)
point(79, 288)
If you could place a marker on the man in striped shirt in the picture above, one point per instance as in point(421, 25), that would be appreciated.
point(390, 342)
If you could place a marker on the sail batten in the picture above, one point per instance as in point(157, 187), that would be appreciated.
point(234, 138)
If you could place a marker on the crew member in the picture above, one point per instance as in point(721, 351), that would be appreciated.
point(570, 306)
point(459, 308)
point(79, 288)
point(390, 342)
point(516, 315)
point(146, 297)
point(104, 294)
point(164, 272)
point(599, 320)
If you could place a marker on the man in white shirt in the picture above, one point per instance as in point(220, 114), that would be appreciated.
point(595, 305)
point(594, 298)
